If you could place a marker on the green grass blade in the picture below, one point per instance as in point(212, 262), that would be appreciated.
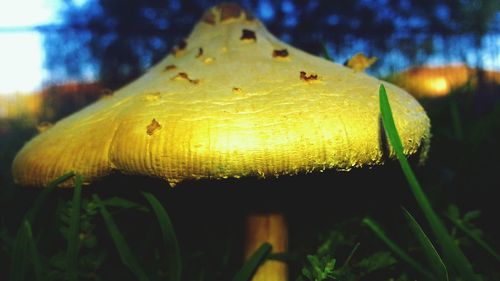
point(122, 203)
point(19, 255)
point(174, 266)
point(476, 238)
point(126, 256)
point(455, 120)
point(326, 54)
point(351, 254)
point(74, 230)
point(398, 250)
point(452, 253)
point(251, 265)
point(35, 257)
point(435, 261)
point(37, 205)
point(21, 243)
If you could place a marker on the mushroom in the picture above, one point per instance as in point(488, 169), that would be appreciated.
point(246, 105)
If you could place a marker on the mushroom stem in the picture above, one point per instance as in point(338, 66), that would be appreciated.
point(271, 228)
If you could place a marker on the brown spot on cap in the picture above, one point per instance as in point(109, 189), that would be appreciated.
point(307, 78)
point(170, 67)
point(200, 52)
point(177, 50)
point(208, 17)
point(229, 11)
point(237, 90)
point(185, 76)
point(43, 126)
point(182, 45)
point(359, 62)
point(106, 92)
point(225, 12)
point(283, 53)
point(248, 35)
point(154, 126)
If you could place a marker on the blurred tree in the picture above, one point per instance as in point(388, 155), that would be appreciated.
point(120, 40)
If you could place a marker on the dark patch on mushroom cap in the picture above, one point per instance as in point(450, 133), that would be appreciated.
point(179, 47)
point(200, 52)
point(43, 126)
point(310, 77)
point(248, 34)
point(283, 53)
point(170, 67)
point(185, 76)
point(229, 11)
point(151, 128)
point(224, 12)
point(208, 17)
point(182, 45)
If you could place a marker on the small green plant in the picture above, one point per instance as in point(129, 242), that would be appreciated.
point(319, 269)
point(327, 264)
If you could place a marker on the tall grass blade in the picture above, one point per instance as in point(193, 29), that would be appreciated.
point(251, 265)
point(74, 230)
point(122, 203)
point(451, 252)
point(435, 261)
point(351, 254)
point(476, 238)
point(455, 120)
point(126, 256)
point(19, 252)
point(19, 255)
point(37, 205)
point(326, 54)
point(174, 265)
point(35, 257)
point(398, 250)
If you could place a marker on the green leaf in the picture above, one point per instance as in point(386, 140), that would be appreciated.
point(435, 261)
point(326, 54)
point(124, 204)
point(35, 257)
point(472, 215)
point(21, 243)
point(455, 120)
point(452, 253)
point(475, 238)
point(19, 255)
point(251, 265)
point(74, 229)
point(126, 256)
point(398, 250)
point(37, 205)
point(376, 261)
point(351, 254)
point(174, 266)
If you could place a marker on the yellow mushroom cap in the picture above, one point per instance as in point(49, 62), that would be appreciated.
point(231, 101)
